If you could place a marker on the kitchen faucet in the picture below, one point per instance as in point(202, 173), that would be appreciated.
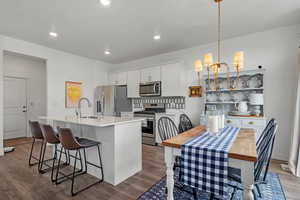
point(79, 105)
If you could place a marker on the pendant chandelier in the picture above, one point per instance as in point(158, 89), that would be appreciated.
point(238, 61)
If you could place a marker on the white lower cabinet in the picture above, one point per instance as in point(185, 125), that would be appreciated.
point(257, 124)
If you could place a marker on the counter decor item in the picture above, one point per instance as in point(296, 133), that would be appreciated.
point(195, 91)
point(242, 107)
point(213, 124)
point(73, 92)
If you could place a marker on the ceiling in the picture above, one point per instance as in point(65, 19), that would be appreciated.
point(127, 27)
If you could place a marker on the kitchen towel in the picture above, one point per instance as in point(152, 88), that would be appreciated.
point(205, 161)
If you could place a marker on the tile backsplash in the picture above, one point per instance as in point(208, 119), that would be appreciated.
point(169, 102)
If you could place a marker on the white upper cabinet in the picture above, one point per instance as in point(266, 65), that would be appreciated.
point(150, 74)
point(122, 78)
point(133, 84)
point(172, 79)
point(118, 78)
point(112, 78)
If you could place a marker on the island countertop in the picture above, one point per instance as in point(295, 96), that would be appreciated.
point(101, 121)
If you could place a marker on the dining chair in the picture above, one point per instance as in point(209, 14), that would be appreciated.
point(270, 123)
point(184, 123)
point(264, 137)
point(167, 129)
point(264, 150)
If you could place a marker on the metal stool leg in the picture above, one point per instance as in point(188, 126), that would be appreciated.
point(66, 177)
point(73, 176)
point(30, 155)
point(85, 170)
point(80, 159)
point(41, 170)
point(100, 161)
point(41, 153)
point(42, 158)
point(85, 161)
point(57, 171)
point(53, 162)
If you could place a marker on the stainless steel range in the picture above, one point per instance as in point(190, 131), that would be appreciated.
point(149, 125)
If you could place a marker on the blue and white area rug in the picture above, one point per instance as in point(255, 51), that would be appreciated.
point(270, 191)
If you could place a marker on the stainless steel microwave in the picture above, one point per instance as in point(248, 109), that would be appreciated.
point(150, 89)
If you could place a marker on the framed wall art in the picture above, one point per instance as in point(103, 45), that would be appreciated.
point(73, 93)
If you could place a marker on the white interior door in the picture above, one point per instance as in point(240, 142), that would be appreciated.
point(15, 108)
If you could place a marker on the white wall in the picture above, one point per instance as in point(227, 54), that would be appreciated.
point(61, 67)
point(275, 50)
point(34, 71)
point(1, 98)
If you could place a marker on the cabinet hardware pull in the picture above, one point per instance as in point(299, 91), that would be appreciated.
point(251, 123)
point(228, 121)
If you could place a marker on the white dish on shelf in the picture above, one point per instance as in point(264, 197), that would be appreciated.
point(211, 97)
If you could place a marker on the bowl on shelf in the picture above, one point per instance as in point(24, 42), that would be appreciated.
point(255, 81)
point(237, 96)
point(225, 97)
point(211, 97)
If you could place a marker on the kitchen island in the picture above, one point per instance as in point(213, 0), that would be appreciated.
point(121, 139)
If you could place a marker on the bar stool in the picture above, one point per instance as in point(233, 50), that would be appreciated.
point(37, 134)
point(51, 137)
point(70, 143)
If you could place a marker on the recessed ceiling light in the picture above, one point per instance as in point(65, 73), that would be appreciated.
point(156, 37)
point(53, 34)
point(105, 2)
point(107, 52)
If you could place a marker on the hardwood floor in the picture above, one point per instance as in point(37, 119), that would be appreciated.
point(18, 181)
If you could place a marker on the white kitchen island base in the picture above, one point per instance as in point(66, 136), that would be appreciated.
point(121, 144)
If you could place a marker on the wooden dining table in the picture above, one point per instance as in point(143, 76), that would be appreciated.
point(242, 155)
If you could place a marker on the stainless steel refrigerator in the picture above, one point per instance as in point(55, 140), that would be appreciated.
point(111, 100)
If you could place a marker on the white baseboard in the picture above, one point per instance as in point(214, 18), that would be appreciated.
point(292, 168)
point(285, 167)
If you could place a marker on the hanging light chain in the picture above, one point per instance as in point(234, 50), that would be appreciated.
point(219, 31)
